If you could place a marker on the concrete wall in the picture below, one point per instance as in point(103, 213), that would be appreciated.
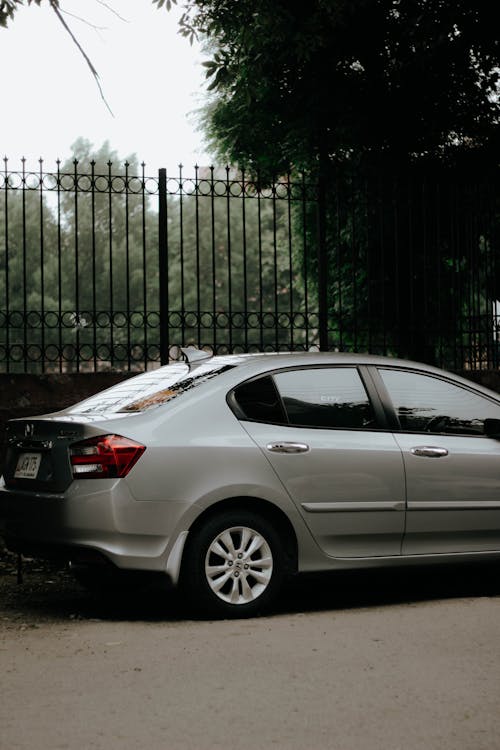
point(31, 395)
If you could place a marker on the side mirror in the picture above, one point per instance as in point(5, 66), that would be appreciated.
point(492, 428)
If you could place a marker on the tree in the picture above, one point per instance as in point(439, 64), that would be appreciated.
point(29, 278)
point(357, 92)
point(8, 9)
point(78, 260)
point(294, 82)
point(110, 266)
point(230, 257)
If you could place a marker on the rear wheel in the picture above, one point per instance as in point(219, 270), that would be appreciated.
point(234, 565)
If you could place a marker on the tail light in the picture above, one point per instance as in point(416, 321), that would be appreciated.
point(104, 457)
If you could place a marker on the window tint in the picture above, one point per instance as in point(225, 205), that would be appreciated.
point(325, 397)
point(259, 400)
point(427, 404)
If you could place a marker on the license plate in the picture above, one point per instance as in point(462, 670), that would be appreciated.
point(28, 465)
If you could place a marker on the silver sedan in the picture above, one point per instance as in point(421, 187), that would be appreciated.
point(228, 474)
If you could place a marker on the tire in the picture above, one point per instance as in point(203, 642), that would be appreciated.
point(234, 566)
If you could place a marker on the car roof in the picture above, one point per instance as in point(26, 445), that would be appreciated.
point(271, 360)
point(260, 362)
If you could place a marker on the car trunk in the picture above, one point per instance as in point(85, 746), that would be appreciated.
point(37, 457)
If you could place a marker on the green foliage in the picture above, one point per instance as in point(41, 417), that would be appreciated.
point(230, 257)
point(412, 259)
point(28, 252)
point(346, 88)
point(105, 230)
point(292, 81)
point(76, 249)
point(79, 262)
point(8, 8)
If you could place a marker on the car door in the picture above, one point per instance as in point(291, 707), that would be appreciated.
point(322, 435)
point(452, 468)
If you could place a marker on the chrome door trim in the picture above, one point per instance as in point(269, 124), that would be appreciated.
point(387, 505)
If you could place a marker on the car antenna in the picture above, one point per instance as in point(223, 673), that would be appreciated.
point(194, 355)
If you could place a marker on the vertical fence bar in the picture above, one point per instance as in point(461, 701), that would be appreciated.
point(181, 251)
point(110, 251)
point(127, 264)
point(163, 265)
point(322, 260)
point(42, 270)
point(290, 260)
point(438, 202)
point(305, 258)
point(229, 258)
point(7, 261)
point(275, 269)
point(245, 259)
point(144, 269)
point(491, 272)
point(351, 210)
point(94, 271)
point(259, 232)
point(366, 193)
point(59, 268)
point(25, 285)
point(399, 335)
point(77, 271)
point(380, 201)
point(424, 266)
point(214, 268)
point(197, 250)
point(339, 307)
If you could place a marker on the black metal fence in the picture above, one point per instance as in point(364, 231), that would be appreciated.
point(108, 268)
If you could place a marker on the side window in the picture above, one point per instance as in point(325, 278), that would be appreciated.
point(427, 404)
point(325, 397)
point(259, 400)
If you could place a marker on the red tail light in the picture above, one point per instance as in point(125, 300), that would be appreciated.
point(104, 457)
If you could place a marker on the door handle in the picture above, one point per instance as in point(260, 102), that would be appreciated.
point(429, 451)
point(287, 447)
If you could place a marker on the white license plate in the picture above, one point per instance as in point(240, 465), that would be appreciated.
point(28, 465)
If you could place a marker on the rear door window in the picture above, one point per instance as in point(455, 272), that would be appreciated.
point(312, 397)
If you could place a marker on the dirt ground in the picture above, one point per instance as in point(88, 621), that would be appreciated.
point(350, 661)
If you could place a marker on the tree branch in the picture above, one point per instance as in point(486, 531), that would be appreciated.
point(112, 10)
point(55, 7)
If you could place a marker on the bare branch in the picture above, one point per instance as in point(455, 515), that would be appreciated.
point(83, 20)
point(55, 7)
point(112, 10)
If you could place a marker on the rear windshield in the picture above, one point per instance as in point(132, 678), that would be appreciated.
point(150, 389)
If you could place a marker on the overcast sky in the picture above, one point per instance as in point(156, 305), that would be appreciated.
point(151, 77)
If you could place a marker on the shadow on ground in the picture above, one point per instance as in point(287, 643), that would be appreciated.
point(49, 594)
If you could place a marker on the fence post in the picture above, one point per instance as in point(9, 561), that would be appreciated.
point(163, 264)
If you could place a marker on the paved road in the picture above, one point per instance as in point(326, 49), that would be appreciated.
point(371, 661)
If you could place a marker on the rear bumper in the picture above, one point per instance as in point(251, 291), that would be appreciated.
point(100, 520)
